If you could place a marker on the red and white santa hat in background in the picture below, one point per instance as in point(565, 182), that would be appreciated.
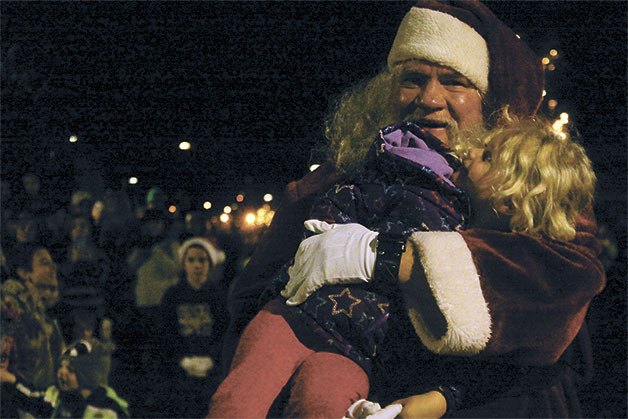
point(467, 37)
point(216, 256)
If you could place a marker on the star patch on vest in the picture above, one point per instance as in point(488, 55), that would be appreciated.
point(344, 303)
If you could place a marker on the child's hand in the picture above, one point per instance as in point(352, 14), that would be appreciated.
point(427, 405)
point(7, 377)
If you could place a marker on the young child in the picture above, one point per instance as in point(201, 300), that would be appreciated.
point(193, 323)
point(523, 177)
point(81, 390)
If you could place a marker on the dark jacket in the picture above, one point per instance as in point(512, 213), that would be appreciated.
point(405, 187)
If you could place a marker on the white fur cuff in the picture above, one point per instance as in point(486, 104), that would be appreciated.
point(455, 284)
point(438, 37)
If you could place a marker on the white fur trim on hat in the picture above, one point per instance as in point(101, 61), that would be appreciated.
point(215, 255)
point(438, 37)
point(455, 285)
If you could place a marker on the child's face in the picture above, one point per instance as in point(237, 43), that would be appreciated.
point(66, 377)
point(196, 266)
point(477, 179)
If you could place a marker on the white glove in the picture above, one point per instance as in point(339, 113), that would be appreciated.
point(364, 409)
point(197, 366)
point(340, 254)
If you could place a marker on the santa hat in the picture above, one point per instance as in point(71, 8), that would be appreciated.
point(216, 256)
point(467, 37)
point(91, 361)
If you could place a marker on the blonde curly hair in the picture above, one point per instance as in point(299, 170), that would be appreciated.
point(358, 116)
point(540, 178)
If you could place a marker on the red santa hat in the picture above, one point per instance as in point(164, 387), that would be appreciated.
point(216, 255)
point(467, 37)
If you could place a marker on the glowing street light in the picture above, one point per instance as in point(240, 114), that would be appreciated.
point(314, 167)
point(172, 209)
point(268, 197)
point(224, 218)
point(184, 145)
point(133, 180)
point(250, 218)
point(207, 205)
point(239, 197)
point(564, 117)
point(545, 61)
point(227, 209)
point(553, 52)
point(73, 138)
point(558, 125)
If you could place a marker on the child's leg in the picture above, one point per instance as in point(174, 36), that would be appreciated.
point(266, 357)
point(325, 385)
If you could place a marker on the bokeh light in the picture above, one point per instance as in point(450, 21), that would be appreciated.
point(250, 218)
point(564, 117)
point(184, 145)
point(133, 180)
point(207, 205)
point(268, 197)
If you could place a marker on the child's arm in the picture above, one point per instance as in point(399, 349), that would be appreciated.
point(427, 405)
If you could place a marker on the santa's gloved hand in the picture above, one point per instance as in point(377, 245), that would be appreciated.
point(197, 366)
point(364, 409)
point(337, 254)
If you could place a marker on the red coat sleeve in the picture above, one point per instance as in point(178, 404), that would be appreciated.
point(504, 293)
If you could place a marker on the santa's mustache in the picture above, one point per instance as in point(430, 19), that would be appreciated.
point(431, 122)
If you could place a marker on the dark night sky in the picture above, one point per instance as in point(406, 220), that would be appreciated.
point(248, 84)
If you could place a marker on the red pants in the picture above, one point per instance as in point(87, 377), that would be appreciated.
point(268, 357)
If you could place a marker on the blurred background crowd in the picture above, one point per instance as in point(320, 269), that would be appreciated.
point(110, 263)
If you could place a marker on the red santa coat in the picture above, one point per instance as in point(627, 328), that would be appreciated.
point(497, 295)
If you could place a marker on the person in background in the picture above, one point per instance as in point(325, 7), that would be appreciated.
point(451, 66)
point(193, 324)
point(25, 324)
point(30, 197)
point(81, 389)
point(154, 267)
point(84, 274)
point(153, 262)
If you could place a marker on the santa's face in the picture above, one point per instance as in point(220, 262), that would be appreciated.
point(436, 98)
